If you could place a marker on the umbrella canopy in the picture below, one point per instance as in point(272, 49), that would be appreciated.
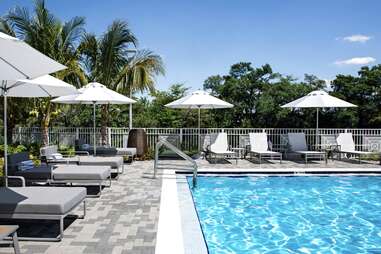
point(318, 99)
point(18, 61)
point(44, 86)
point(199, 100)
point(94, 93)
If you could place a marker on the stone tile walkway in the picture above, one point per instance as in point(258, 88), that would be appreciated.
point(123, 220)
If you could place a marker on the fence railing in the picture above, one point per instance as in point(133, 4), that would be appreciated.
point(188, 137)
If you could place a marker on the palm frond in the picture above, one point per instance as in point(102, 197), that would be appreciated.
point(6, 28)
point(140, 73)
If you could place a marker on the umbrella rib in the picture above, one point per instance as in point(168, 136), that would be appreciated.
point(43, 89)
point(14, 67)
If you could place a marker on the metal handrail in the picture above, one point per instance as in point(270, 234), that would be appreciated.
point(164, 142)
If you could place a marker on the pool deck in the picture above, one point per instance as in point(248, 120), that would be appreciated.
point(125, 218)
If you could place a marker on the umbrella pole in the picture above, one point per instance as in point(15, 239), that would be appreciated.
point(94, 127)
point(5, 136)
point(130, 112)
point(317, 127)
point(199, 129)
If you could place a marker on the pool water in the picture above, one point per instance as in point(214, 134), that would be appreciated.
point(301, 214)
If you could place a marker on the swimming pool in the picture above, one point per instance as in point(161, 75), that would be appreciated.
point(301, 214)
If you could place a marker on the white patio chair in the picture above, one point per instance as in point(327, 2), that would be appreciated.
point(220, 146)
point(259, 146)
point(297, 144)
point(347, 145)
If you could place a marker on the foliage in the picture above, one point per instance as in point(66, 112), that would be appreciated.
point(46, 33)
point(365, 92)
point(258, 93)
point(106, 61)
point(13, 149)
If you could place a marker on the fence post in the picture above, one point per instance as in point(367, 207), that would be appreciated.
point(76, 133)
point(109, 135)
point(19, 135)
point(181, 137)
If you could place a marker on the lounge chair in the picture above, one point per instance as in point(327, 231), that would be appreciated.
point(220, 147)
point(206, 141)
point(126, 151)
point(61, 173)
point(51, 156)
point(346, 145)
point(297, 144)
point(259, 147)
point(115, 162)
point(41, 203)
point(82, 147)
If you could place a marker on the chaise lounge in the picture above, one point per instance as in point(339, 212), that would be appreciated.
point(297, 144)
point(41, 203)
point(20, 165)
point(51, 155)
point(346, 145)
point(259, 147)
point(220, 147)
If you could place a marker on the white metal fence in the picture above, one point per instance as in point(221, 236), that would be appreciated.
point(188, 137)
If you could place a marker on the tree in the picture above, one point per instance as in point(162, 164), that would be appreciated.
point(46, 33)
point(363, 91)
point(105, 57)
point(106, 61)
point(139, 74)
point(257, 94)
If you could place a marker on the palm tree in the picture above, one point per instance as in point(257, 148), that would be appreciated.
point(139, 75)
point(106, 61)
point(46, 33)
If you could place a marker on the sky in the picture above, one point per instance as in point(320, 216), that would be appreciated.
point(200, 38)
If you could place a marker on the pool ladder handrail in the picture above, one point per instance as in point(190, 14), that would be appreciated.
point(164, 142)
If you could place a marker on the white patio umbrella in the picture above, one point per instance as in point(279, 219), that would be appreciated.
point(18, 61)
point(199, 100)
point(94, 93)
point(318, 99)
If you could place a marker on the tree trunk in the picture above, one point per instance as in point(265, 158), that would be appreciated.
point(105, 117)
point(45, 124)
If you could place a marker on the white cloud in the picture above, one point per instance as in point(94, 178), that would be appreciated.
point(356, 61)
point(357, 38)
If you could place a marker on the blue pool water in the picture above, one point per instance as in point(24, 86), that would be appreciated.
point(246, 215)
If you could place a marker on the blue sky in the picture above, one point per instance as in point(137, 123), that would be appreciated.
point(200, 38)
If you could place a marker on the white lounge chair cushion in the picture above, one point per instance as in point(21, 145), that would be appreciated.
point(56, 156)
point(114, 162)
point(75, 172)
point(258, 142)
point(266, 152)
point(359, 152)
point(345, 142)
point(223, 152)
point(40, 200)
point(220, 144)
point(310, 152)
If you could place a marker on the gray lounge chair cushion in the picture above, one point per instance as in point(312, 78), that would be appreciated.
point(42, 172)
point(113, 162)
point(40, 200)
point(126, 151)
point(74, 172)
